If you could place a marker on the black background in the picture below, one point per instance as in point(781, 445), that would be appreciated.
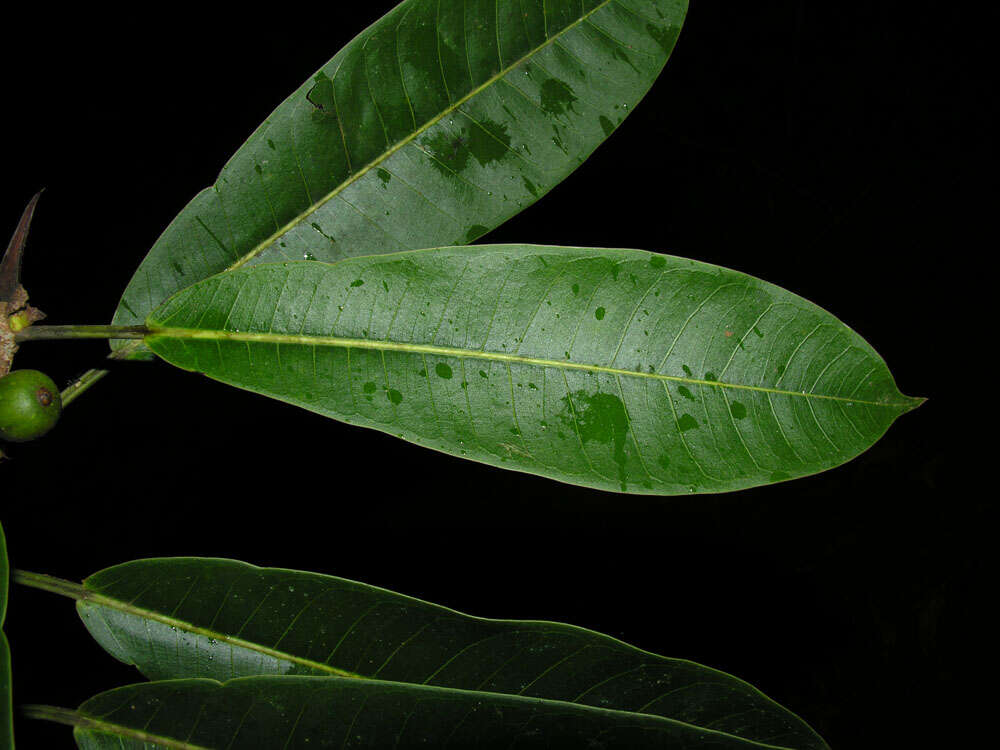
point(827, 147)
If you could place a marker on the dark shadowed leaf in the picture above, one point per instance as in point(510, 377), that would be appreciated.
point(288, 713)
point(191, 617)
point(6, 706)
point(6, 720)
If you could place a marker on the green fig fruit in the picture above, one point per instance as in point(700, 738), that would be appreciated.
point(30, 405)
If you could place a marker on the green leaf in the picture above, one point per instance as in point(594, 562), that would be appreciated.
point(617, 369)
point(6, 703)
point(6, 706)
point(309, 712)
point(4, 576)
point(433, 126)
point(208, 618)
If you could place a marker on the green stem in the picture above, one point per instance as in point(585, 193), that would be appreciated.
point(50, 583)
point(88, 723)
point(51, 333)
point(52, 713)
point(81, 384)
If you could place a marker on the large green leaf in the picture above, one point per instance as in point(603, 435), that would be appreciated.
point(433, 126)
point(190, 617)
point(275, 713)
point(6, 718)
point(617, 369)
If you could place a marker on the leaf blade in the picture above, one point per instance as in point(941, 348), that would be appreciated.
point(6, 695)
point(303, 712)
point(4, 576)
point(209, 618)
point(616, 369)
point(431, 127)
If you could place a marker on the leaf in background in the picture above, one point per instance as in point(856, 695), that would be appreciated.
point(268, 713)
point(6, 704)
point(4, 576)
point(617, 369)
point(192, 617)
point(436, 124)
point(6, 710)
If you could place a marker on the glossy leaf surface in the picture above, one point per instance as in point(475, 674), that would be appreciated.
point(433, 126)
point(617, 369)
point(6, 718)
point(189, 617)
point(271, 713)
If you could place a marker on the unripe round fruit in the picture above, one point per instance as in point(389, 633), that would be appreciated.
point(30, 405)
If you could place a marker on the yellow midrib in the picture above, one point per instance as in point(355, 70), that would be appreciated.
point(448, 351)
